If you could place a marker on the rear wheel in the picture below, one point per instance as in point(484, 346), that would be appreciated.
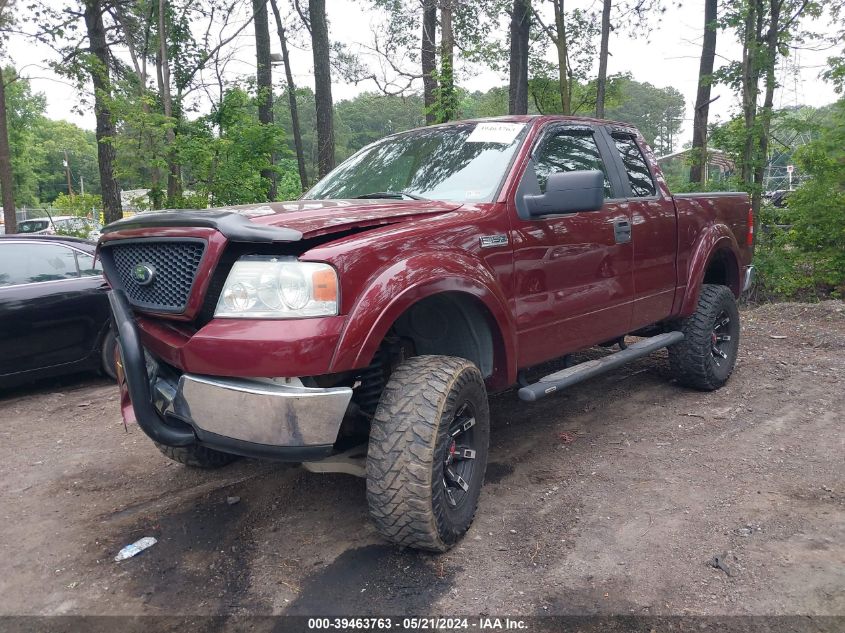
point(428, 452)
point(706, 357)
point(197, 456)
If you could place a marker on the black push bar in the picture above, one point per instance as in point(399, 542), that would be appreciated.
point(137, 380)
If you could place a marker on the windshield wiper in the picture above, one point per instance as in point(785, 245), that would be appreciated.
point(392, 194)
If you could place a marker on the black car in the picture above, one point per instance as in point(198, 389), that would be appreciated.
point(54, 311)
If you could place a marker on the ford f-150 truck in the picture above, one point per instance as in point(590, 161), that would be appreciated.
point(429, 269)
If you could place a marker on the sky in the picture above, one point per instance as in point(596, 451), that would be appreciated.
point(669, 56)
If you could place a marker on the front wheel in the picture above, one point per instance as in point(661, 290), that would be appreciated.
point(108, 359)
point(428, 452)
point(706, 357)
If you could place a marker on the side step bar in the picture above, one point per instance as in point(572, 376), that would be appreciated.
point(575, 374)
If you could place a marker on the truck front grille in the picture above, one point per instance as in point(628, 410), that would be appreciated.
point(157, 274)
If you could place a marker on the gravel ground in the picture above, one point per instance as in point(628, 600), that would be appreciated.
point(608, 499)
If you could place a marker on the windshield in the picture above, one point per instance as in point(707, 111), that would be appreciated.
point(463, 163)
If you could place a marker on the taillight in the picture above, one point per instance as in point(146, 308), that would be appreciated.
point(749, 239)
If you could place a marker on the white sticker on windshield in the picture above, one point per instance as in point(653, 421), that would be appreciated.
point(494, 132)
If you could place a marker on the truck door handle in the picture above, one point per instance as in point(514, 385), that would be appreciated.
point(622, 231)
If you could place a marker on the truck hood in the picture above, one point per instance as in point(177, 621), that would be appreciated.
point(289, 221)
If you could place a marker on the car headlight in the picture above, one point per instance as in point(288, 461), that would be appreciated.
point(260, 286)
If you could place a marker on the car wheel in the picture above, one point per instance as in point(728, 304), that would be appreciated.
point(428, 452)
point(108, 361)
point(706, 357)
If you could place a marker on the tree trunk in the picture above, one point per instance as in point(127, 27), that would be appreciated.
point(561, 44)
point(139, 64)
point(105, 127)
point(698, 169)
point(601, 82)
point(322, 86)
point(752, 29)
point(428, 57)
point(294, 108)
point(447, 106)
point(264, 83)
point(765, 116)
point(174, 186)
point(520, 31)
point(7, 181)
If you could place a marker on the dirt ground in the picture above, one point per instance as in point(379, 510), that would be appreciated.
point(608, 499)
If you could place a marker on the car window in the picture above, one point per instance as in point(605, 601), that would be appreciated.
point(87, 266)
point(569, 150)
point(22, 263)
point(32, 226)
point(638, 173)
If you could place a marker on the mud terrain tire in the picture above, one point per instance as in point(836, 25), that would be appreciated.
point(432, 424)
point(706, 357)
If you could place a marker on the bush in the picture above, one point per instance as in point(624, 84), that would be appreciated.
point(83, 205)
point(807, 259)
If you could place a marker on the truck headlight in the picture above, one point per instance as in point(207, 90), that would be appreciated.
point(266, 287)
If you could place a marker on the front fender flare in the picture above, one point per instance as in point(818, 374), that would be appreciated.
point(396, 288)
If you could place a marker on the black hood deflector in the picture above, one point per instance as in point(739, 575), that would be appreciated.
point(237, 227)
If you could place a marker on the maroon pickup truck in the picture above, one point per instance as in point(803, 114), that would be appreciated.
point(361, 328)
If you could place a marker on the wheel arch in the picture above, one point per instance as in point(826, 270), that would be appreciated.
point(715, 261)
point(418, 288)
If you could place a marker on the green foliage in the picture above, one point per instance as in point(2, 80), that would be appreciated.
point(24, 111)
point(81, 229)
point(477, 105)
point(141, 140)
point(370, 116)
point(445, 106)
point(224, 168)
point(677, 177)
point(38, 146)
point(728, 137)
point(288, 186)
point(358, 122)
point(807, 260)
point(80, 205)
point(657, 112)
point(308, 126)
point(52, 140)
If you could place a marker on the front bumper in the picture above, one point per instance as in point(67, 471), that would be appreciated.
point(251, 417)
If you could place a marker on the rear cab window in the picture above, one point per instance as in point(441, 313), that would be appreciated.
point(636, 167)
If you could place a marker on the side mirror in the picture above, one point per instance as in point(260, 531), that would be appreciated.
point(568, 192)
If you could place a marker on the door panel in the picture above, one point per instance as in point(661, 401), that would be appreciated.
point(655, 238)
point(573, 281)
point(49, 315)
point(655, 246)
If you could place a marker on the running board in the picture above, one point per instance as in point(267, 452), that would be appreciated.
point(575, 374)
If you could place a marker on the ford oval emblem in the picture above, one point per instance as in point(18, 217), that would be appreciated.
point(144, 274)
